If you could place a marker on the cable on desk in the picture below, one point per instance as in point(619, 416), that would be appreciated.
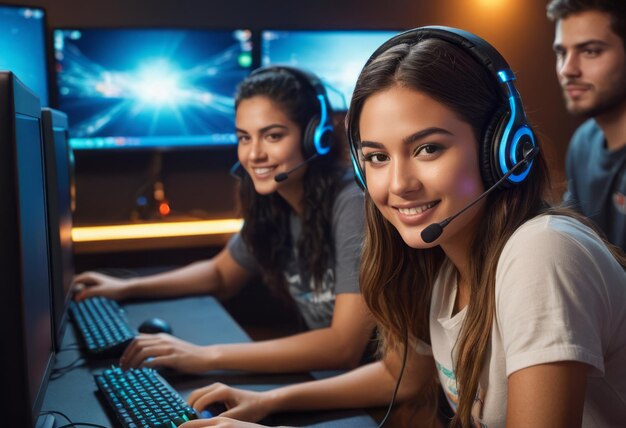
point(57, 372)
point(395, 391)
point(70, 424)
point(54, 412)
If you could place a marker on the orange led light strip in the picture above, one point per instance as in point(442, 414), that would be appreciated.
point(155, 230)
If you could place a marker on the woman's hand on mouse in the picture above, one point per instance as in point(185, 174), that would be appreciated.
point(241, 404)
point(164, 350)
point(89, 284)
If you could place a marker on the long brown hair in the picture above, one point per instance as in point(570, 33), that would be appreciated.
point(396, 280)
point(266, 217)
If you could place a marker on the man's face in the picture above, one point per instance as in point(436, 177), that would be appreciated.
point(590, 64)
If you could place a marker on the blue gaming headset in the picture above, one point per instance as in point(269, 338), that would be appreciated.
point(318, 135)
point(507, 140)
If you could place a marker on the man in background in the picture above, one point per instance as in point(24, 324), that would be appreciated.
point(590, 48)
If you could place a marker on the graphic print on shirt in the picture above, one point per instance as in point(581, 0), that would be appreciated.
point(448, 383)
point(317, 307)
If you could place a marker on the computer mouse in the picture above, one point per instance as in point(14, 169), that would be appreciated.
point(213, 409)
point(155, 325)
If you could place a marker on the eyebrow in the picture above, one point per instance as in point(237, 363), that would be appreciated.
point(411, 138)
point(582, 45)
point(264, 129)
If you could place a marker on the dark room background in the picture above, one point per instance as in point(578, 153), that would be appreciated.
point(198, 181)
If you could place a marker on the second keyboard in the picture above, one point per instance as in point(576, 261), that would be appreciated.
point(103, 325)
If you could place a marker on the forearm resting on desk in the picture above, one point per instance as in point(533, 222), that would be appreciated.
point(368, 386)
point(220, 276)
point(320, 349)
point(339, 346)
point(197, 278)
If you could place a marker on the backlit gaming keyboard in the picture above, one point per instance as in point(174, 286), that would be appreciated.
point(103, 325)
point(140, 398)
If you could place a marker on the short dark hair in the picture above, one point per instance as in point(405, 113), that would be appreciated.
point(616, 9)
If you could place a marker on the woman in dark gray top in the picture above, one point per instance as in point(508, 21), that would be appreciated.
point(302, 233)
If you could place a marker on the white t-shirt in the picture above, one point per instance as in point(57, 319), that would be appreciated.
point(560, 296)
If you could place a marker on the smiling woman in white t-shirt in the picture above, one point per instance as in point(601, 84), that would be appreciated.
point(522, 304)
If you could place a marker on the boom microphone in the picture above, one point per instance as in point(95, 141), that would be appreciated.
point(285, 175)
point(434, 231)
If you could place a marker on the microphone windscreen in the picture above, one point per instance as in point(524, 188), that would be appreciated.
point(431, 233)
point(281, 177)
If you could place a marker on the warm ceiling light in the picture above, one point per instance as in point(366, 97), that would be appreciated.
point(491, 4)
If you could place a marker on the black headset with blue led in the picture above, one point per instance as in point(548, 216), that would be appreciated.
point(507, 140)
point(317, 136)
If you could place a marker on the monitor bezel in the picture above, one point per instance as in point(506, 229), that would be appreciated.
point(51, 119)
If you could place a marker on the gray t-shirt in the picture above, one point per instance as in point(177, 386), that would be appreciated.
point(341, 277)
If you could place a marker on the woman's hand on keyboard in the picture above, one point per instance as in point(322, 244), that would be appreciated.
point(163, 350)
point(240, 404)
point(218, 422)
point(89, 284)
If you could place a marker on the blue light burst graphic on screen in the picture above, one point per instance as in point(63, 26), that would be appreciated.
point(23, 47)
point(150, 87)
point(335, 56)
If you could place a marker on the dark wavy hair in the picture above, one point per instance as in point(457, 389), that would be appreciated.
point(561, 9)
point(266, 217)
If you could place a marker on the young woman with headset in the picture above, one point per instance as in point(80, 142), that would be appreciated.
point(302, 234)
point(516, 307)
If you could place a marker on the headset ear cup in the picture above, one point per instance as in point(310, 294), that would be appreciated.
point(490, 169)
point(308, 138)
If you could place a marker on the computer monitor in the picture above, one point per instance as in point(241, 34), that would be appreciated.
point(23, 47)
point(147, 88)
point(335, 56)
point(59, 184)
point(25, 319)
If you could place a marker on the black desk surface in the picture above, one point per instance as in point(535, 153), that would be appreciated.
point(200, 320)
